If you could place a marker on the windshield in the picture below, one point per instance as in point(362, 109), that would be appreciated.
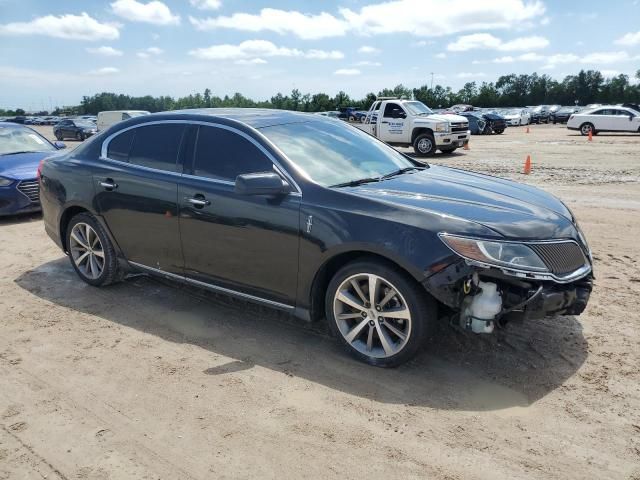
point(14, 140)
point(417, 108)
point(85, 124)
point(513, 112)
point(331, 153)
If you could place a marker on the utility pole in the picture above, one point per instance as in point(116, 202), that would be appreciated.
point(431, 81)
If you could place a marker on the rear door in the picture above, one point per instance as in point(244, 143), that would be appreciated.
point(136, 193)
point(624, 121)
point(239, 242)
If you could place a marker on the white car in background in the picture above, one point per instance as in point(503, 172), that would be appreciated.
point(605, 118)
point(517, 116)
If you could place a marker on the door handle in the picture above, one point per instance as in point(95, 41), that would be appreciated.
point(384, 122)
point(109, 184)
point(198, 201)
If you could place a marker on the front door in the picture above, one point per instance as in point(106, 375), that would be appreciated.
point(137, 191)
point(394, 125)
point(244, 243)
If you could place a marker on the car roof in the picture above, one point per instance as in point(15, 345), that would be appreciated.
point(254, 117)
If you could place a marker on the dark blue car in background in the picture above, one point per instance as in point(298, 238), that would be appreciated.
point(21, 150)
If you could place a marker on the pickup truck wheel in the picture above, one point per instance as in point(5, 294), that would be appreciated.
point(379, 314)
point(352, 118)
point(424, 145)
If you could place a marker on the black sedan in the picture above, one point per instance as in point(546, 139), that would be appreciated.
point(485, 123)
point(314, 217)
point(562, 114)
point(74, 128)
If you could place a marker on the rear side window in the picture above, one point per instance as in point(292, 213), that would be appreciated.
point(120, 146)
point(223, 155)
point(156, 146)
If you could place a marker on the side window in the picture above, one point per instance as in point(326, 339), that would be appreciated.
point(125, 116)
point(597, 112)
point(120, 146)
point(156, 146)
point(223, 155)
point(393, 110)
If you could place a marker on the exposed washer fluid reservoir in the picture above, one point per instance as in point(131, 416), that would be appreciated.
point(480, 310)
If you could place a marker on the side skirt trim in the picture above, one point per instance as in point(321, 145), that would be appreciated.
point(215, 288)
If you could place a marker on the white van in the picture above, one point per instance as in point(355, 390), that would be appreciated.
point(111, 117)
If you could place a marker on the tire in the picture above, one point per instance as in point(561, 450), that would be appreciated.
point(585, 128)
point(78, 134)
point(352, 118)
point(424, 145)
point(91, 270)
point(447, 151)
point(499, 132)
point(404, 336)
point(59, 136)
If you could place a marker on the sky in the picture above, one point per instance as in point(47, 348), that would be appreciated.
point(54, 52)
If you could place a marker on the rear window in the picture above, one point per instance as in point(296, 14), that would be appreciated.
point(156, 146)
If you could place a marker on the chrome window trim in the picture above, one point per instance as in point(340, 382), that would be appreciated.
point(213, 287)
point(522, 273)
point(279, 168)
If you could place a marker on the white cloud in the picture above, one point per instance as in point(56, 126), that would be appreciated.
point(425, 18)
point(422, 43)
point(324, 55)
point(302, 25)
point(71, 27)
point(368, 49)
point(151, 51)
point(350, 72)
point(105, 51)
point(154, 12)
point(206, 4)
point(629, 39)
point(605, 58)
point(470, 75)
point(441, 55)
point(259, 48)
point(609, 73)
point(525, 57)
point(253, 61)
point(367, 63)
point(432, 18)
point(104, 71)
point(478, 41)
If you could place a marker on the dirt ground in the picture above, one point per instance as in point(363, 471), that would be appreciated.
point(151, 381)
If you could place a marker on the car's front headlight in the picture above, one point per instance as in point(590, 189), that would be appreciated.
point(5, 182)
point(498, 253)
point(442, 127)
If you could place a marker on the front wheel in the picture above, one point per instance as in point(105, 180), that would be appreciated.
point(59, 136)
point(91, 252)
point(499, 131)
point(379, 314)
point(424, 145)
point(585, 128)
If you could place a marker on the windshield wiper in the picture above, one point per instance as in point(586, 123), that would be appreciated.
point(400, 172)
point(355, 183)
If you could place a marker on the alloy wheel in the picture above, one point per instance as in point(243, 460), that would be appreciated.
point(86, 250)
point(372, 315)
point(425, 145)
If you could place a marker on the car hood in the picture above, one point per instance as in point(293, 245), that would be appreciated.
point(510, 209)
point(23, 166)
point(439, 117)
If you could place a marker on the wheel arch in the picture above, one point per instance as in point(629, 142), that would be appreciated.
point(420, 131)
point(336, 261)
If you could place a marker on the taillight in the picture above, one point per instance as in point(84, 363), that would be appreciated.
point(39, 174)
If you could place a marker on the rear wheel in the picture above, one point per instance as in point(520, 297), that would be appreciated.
point(91, 252)
point(499, 131)
point(424, 145)
point(379, 314)
point(585, 128)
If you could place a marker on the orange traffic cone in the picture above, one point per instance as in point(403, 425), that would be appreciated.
point(527, 165)
point(527, 131)
point(466, 145)
point(590, 138)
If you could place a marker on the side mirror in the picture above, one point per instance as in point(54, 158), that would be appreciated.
point(59, 145)
point(263, 183)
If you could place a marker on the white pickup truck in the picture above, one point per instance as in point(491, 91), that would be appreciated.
point(406, 123)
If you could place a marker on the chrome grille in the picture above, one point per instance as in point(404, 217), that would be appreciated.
point(459, 126)
point(30, 189)
point(560, 258)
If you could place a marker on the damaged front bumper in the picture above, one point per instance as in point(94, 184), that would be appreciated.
point(460, 287)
